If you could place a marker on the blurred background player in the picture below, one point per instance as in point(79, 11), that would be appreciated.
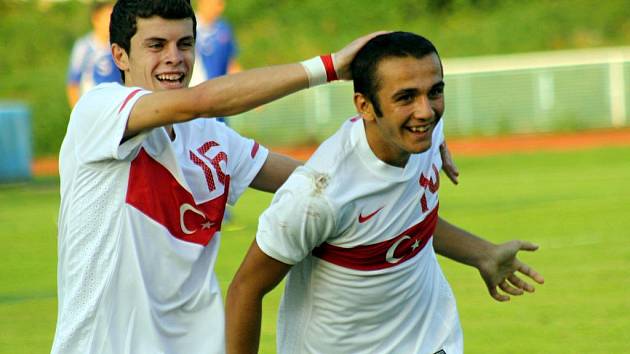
point(91, 62)
point(216, 47)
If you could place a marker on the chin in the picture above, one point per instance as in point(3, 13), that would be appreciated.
point(420, 148)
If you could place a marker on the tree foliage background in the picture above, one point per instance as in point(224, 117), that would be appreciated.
point(36, 37)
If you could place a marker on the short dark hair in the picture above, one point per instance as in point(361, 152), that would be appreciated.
point(394, 44)
point(123, 22)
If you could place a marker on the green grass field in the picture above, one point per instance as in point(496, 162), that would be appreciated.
point(574, 204)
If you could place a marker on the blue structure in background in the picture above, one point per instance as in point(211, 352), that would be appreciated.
point(15, 142)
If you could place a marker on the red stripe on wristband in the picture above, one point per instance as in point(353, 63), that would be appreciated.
point(331, 74)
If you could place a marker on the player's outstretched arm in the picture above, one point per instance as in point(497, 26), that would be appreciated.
point(233, 94)
point(257, 275)
point(497, 264)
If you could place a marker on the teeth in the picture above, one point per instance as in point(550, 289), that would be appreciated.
point(170, 77)
point(419, 129)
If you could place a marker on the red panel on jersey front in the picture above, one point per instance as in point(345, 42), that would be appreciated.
point(384, 254)
point(155, 192)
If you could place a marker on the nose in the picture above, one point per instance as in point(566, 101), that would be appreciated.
point(423, 109)
point(173, 55)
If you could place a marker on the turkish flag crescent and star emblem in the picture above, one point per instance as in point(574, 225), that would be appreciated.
point(154, 191)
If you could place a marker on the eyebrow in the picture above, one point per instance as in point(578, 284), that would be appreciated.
point(160, 39)
point(187, 38)
point(153, 39)
point(407, 91)
point(440, 84)
point(437, 85)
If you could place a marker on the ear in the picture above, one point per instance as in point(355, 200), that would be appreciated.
point(364, 106)
point(120, 57)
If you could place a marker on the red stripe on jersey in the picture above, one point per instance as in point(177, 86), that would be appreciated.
point(130, 96)
point(355, 119)
point(254, 149)
point(384, 254)
point(154, 191)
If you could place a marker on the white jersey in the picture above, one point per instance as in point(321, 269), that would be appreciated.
point(359, 234)
point(139, 229)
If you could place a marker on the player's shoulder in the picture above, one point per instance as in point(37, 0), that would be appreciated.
point(307, 188)
point(114, 91)
point(105, 98)
point(335, 151)
point(210, 131)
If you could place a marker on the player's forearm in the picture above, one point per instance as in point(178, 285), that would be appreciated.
point(274, 172)
point(240, 92)
point(460, 245)
point(257, 275)
point(223, 96)
point(243, 317)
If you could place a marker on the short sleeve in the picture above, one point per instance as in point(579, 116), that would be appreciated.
point(99, 120)
point(246, 159)
point(299, 219)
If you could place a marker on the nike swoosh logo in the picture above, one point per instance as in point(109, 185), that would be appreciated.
point(363, 219)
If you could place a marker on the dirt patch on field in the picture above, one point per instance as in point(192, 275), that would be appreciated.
point(478, 146)
point(482, 146)
point(45, 166)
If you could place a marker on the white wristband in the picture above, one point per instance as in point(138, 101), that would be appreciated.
point(315, 70)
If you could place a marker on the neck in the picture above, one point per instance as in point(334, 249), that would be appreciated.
point(383, 151)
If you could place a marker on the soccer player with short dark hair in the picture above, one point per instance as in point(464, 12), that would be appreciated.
point(357, 227)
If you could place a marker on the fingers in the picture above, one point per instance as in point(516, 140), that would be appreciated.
point(504, 277)
point(520, 283)
point(448, 166)
point(508, 288)
point(527, 246)
point(451, 172)
point(512, 285)
point(530, 272)
point(498, 296)
point(344, 57)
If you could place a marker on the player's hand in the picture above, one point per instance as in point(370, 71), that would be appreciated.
point(448, 165)
point(343, 58)
point(501, 268)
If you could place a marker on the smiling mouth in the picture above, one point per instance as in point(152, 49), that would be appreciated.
point(419, 129)
point(171, 78)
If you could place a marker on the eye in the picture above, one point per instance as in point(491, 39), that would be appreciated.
point(186, 44)
point(436, 92)
point(405, 98)
point(155, 45)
